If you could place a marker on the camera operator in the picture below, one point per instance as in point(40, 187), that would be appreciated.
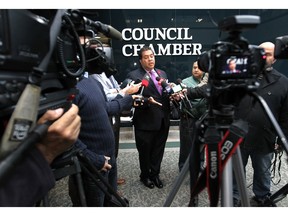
point(32, 179)
point(260, 140)
point(96, 138)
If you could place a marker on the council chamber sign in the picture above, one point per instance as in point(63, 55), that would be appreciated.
point(163, 41)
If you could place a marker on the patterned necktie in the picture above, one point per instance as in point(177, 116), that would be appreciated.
point(153, 77)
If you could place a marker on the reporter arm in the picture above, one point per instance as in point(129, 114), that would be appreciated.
point(29, 182)
point(197, 92)
point(97, 160)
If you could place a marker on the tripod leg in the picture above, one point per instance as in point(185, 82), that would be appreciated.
point(195, 154)
point(94, 174)
point(278, 195)
point(227, 185)
point(240, 177)
point(78, 179)
point(177, 183)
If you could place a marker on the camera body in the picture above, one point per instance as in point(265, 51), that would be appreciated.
point(233, 65)
point(248, 60)
point(22, 49)
point(25, 40)
point(281, 47)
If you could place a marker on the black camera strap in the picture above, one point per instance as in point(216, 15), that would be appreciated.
point(217, 155)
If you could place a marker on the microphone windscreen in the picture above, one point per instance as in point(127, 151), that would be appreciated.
point(145, 83)
point(178, 81)
point(114, 33)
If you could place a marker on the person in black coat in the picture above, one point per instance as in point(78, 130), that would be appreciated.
point(151, 120)
point(259, 143)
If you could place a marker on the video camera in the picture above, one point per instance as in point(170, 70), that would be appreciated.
point(27, 36)
point(281, 47)
point(250, 60)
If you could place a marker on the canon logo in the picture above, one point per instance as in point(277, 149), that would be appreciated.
point(226, 148)
point(213, 164)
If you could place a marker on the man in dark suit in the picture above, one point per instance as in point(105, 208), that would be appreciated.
point(151, 120)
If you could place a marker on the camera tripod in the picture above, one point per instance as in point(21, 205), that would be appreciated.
point(73, 163)
point(223, 137)
point(221, 173)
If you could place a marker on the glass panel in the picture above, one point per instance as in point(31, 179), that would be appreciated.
point(178, 34)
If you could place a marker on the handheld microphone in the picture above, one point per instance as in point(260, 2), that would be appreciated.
point(167, 88)
point(179, 82)
point(138, 101)
point(165, 85)
point(144, 85)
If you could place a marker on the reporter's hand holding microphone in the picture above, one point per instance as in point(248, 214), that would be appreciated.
point(131, 88)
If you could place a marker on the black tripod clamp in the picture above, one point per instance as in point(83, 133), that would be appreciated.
point(219, 149)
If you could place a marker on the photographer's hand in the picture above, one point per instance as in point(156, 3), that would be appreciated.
point(61, 134)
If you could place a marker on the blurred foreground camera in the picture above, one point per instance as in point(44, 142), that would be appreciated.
point(27, 36)
point(41, 61)
point(281, 47)
point(248, 60)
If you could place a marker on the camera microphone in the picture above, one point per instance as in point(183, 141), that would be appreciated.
point(107, 30)
point(22, 120)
